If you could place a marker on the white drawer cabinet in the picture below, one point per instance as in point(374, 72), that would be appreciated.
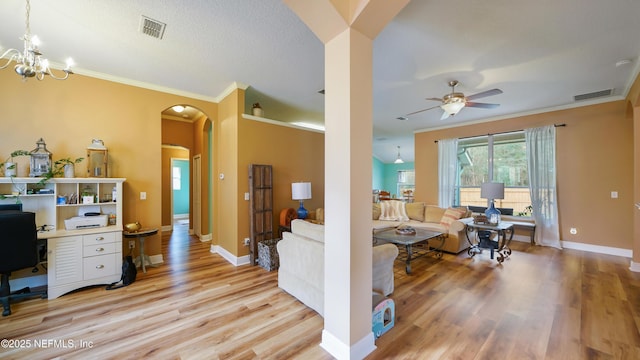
point(75, 258)
point(83, 260)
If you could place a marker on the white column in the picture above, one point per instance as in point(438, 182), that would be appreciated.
point(347, 28)
point(348, 151)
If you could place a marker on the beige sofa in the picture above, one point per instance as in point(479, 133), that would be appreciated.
point(420, 215)
point(301, 271)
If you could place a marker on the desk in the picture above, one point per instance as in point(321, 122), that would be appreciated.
point(140, 235)
point(504, 231)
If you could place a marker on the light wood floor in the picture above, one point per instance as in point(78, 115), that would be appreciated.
point(541, 304)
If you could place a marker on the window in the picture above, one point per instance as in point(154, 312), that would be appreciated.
point(406, 183)
point(177, 177)
point(508, 155)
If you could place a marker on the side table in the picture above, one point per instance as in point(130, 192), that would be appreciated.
point(140, 235)
point(504, 231)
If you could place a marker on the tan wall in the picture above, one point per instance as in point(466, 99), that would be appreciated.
point(201, 129)
point(294, 154)
point(594, 157)
point(225, 209)
point(68, 114)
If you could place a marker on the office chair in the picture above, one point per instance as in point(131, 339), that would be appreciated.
point(19, 244)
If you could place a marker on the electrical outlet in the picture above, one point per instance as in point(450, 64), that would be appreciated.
point(143, 195)
point(132, 244)
point(247, 241)
point(573, 231)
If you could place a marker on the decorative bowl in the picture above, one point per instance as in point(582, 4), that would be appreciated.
point(132, 227)
point(405, 231)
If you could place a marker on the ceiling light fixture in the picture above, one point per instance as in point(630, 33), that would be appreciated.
point(399, 159)
point(178, 108)
point(29, 63)
point(453, 105)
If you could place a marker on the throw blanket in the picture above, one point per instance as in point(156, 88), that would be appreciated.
point(393, 210)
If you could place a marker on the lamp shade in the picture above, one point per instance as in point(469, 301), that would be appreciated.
point(301, 191)
point(492, 190)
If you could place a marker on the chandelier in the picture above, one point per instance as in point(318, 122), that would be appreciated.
point(29, 62)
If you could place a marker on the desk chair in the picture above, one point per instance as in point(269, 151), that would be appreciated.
point(19, 244)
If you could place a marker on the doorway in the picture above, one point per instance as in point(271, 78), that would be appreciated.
point(187, 158)
point(180, 190)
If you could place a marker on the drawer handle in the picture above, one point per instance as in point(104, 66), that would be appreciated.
point(99, 249)
point(99, 266)
point(99, 238)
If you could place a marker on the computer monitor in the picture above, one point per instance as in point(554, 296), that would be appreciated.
point(9, 207)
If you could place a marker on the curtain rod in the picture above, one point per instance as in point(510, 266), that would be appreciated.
point(499, 133)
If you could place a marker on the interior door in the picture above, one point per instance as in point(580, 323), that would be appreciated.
point(197, 195)
point(260, 207)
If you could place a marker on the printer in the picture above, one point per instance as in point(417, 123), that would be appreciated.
point(88, 217)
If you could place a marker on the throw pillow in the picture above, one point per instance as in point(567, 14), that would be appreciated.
point(320, 216)
point(415, 211)
point(376, 211)
point(451, 215)
point(433, 214)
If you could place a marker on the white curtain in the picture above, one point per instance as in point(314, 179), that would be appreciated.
point(541, 156)
point(447, 171)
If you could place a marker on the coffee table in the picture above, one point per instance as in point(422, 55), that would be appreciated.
point(423, 239)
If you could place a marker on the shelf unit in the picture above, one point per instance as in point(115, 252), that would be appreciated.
point(75, 258)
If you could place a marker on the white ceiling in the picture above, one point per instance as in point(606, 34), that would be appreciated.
point(540, 53)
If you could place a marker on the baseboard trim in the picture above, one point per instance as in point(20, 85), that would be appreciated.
point(628, 253)
point(340, 350)
point(234, 260)
point(166, 228)
point(205, 238)
point(635, 267)
point(156, 259)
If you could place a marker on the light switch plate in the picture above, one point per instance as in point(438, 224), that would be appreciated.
point(143, 195)
point(246, 196)
point(614, 194)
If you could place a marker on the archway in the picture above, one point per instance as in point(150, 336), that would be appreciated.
point(186, 136)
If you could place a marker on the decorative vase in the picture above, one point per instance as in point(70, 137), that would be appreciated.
point(257, 110)
point(10, 169)
point(69, 171)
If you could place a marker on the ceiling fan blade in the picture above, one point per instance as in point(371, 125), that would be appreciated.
point(481, 105)
point(419, 111)
point(484, 94)
point(444, 115)
point(435, 99)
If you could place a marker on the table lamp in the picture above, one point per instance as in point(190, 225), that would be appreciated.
point(301, 191)
point(492, 191)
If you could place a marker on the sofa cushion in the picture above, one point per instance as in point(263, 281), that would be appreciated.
point(307, 229)
point(393, 210)
point(433, 214)
point(451, 215)
point(415, 211)
point(376, 211)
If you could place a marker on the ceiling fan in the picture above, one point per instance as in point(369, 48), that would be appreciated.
point(454, 102)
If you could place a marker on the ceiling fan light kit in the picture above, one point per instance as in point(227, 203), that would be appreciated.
point(453, 102)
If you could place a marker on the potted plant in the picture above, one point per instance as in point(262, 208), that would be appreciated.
point(60, 167)
point(67, 166)
point(10, 166)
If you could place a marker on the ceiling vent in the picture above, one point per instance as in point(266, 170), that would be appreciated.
point(593, 95)
point(153, 28)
